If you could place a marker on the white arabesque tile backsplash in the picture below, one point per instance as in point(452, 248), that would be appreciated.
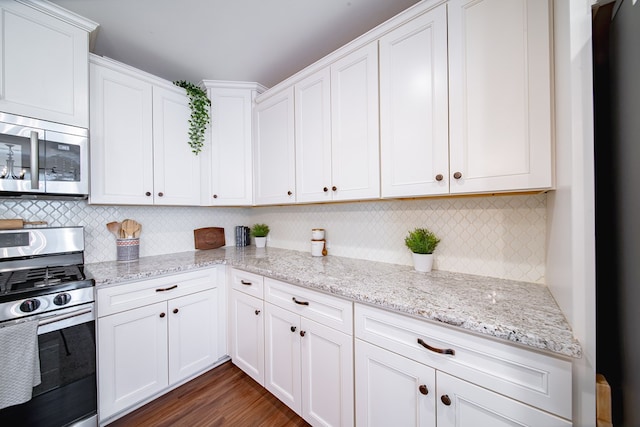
point(496, 236)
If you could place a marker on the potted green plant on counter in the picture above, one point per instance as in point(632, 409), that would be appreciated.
point(422, 242)
point(259, 232)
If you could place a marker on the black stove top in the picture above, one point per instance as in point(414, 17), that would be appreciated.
point(21, 284)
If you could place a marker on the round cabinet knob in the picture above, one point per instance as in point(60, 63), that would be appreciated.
point(334, 188)
point(293, 329)
point(215, 196)
point(303, 333)
point(423, 389)
point(325, 189)
point(62, 299)
point(257, 312)
point(160, 194)
point(457, 175)
point(289, 193)
point(446, 400)
point(148, 193)
point(29, 305)
point(175, 311)
point(439, 177)
point(162, 315)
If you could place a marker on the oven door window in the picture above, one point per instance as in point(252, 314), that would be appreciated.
point(67, 392)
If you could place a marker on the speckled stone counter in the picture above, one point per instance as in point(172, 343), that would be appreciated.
point(521, 312)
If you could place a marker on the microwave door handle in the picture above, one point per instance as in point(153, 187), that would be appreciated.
point(35, 167)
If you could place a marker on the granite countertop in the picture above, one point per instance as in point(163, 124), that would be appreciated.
point(520, 312)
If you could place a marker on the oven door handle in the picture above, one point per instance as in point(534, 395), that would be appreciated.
point(57, 318)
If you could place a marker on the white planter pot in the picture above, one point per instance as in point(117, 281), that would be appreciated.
point(261, 242)
point(422, 262)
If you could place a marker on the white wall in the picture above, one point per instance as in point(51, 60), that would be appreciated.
point(493, 236)
point(571, 224)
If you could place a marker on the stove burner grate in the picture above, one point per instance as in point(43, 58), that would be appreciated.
point(40, 277)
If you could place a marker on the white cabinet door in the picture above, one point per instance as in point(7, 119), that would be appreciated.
point(462, 404)
point(327, 375)
point(282, 356)
point(229, 163)
point(43, 65)
point(500, 95)
point(274, 163)
point(176, 176)
point(193, 334)
point(414, 140)
point(133, 363)
point(355, 141)
point(336, 129)
point(393, 390)
point(121, 137)
point(247, 334)
point(313, 137)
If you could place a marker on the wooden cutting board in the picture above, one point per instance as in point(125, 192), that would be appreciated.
point(14, 224)
point(209, 237)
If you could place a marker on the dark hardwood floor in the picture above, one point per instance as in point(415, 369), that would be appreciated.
point(224, 396)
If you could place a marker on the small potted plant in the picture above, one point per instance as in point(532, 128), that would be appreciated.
point(259, 232)
point(422, 242)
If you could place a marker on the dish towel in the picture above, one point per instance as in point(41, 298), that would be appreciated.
point(19, 362)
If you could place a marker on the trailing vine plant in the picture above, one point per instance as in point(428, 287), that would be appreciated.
point(199, 103)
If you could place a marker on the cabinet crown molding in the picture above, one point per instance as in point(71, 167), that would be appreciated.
point(65, 15)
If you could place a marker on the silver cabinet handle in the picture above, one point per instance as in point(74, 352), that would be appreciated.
point(35, 167)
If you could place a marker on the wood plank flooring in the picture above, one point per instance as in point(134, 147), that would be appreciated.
point(224, 396)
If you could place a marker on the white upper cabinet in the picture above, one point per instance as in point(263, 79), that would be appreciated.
point(355, 139)
point(43, 62)
point(336, 130)
point(413, 107)
point(228, 165)
point(500, 95)
point(139, 139)
point(176, 169)
point(313, 137)
point(464, 106)
point(274, 162)
point(121, 137)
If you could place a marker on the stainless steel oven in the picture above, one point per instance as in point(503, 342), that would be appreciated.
point(42, 280)
point(40, 158)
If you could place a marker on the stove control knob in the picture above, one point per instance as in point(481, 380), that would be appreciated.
point(29, 305)
point(61, 299)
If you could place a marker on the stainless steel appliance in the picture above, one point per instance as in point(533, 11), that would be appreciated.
point(42, 278)
point(42, 159)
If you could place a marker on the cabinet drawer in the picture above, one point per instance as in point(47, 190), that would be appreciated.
point(248, 283)
point(325, 309)
point(132, 295)
point(529, 376)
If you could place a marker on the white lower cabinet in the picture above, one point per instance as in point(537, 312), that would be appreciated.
point(308, 367)
point(309, 353)
point(414, 373)
point(461, 403)
point(154, 334)
point(297, 343)
point(393, 390)
point(247, 334)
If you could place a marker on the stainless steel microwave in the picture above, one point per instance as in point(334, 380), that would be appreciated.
point(42, 159)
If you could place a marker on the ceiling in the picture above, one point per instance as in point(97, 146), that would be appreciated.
point(262, 41)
